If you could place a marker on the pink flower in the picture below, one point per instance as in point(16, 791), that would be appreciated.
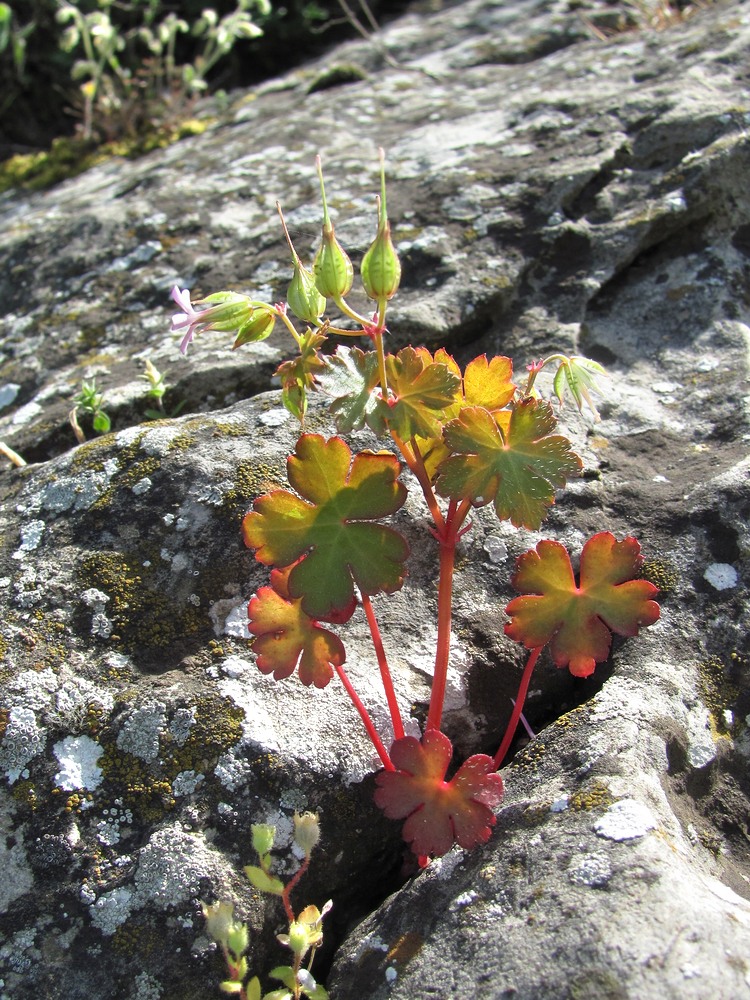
point(439, 813)
point(226, 311)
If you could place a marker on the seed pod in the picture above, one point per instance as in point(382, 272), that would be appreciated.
point(332, 269)
point(381, 268)
point(258, 327)
point(302, 297)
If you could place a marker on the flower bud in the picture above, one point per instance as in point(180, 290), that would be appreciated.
point(303, 297)
point(219, 919)
point(306, 832)
point(226, 311)
point(263, 834)
point(238, 939)
point(332, 269)
point(298, 938)
point(381, 268)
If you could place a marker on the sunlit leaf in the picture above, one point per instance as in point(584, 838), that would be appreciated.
point(286, 636)
point(438, 813)
point(578, 619)
point(488, 383)
point(518, 465)
point(484, 383)
point(420, 391)
point(329, 522)
point(264, 882)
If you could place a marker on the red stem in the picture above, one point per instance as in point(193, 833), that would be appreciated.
point(286, 895)
point(367, 721)
point(448, 538)
point(385, 674)
point(523, 688)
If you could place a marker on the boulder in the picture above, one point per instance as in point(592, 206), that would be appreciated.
point(557, 182)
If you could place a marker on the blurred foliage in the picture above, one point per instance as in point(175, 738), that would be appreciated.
point(110, 70)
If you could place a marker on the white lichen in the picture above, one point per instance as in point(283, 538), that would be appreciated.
point(23, 739)
point(78, 757)
point(625, 820)
point(140, 734)
point(721, 576)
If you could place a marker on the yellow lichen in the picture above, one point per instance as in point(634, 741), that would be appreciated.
point(595, 796)
point(25, 793)
point(719, 691)
point(251, 480)
point(141, 612)
point(662, 573)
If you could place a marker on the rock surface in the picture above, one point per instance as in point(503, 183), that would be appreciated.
point(548, 191)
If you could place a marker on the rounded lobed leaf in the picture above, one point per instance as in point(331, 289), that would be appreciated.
point(329, 524)
point(577, 620)
point(439, 813)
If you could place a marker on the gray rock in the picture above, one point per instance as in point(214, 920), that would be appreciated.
point(548, 191)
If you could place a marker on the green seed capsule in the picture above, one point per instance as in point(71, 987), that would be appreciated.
point(302, 297)
point(332, 269)
point(258, 327)
point(381, 268)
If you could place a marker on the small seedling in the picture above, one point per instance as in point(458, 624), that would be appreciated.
point(468, 439)
point(157, 389)
point(90, 402)
point(305, 934)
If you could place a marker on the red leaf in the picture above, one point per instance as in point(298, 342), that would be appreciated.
point(578, 619)
point(438, 813)
point(286, 636)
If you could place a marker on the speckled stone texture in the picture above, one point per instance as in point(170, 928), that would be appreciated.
point(549, 190)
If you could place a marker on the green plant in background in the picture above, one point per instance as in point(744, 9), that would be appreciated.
point(131, 80)
point(89, 401)
point(469, 439)
point(13, 40)
point(305, 933)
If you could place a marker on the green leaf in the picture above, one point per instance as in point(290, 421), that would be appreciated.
point(576, 619)
point(327, 522)
point(519, 467)
point(101, 422)
point(252, 989)
point(285, 636)
point(285, 974)
point(579, 375)
point(420, 391)
point(264, 882)
point(352, 379)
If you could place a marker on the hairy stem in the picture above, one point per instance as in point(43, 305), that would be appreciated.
point(390, 694)
point(448, 539)
point(366, 720)
point(286, 896)
point(523, 688)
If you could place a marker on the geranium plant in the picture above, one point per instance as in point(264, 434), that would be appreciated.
point(469, 438)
